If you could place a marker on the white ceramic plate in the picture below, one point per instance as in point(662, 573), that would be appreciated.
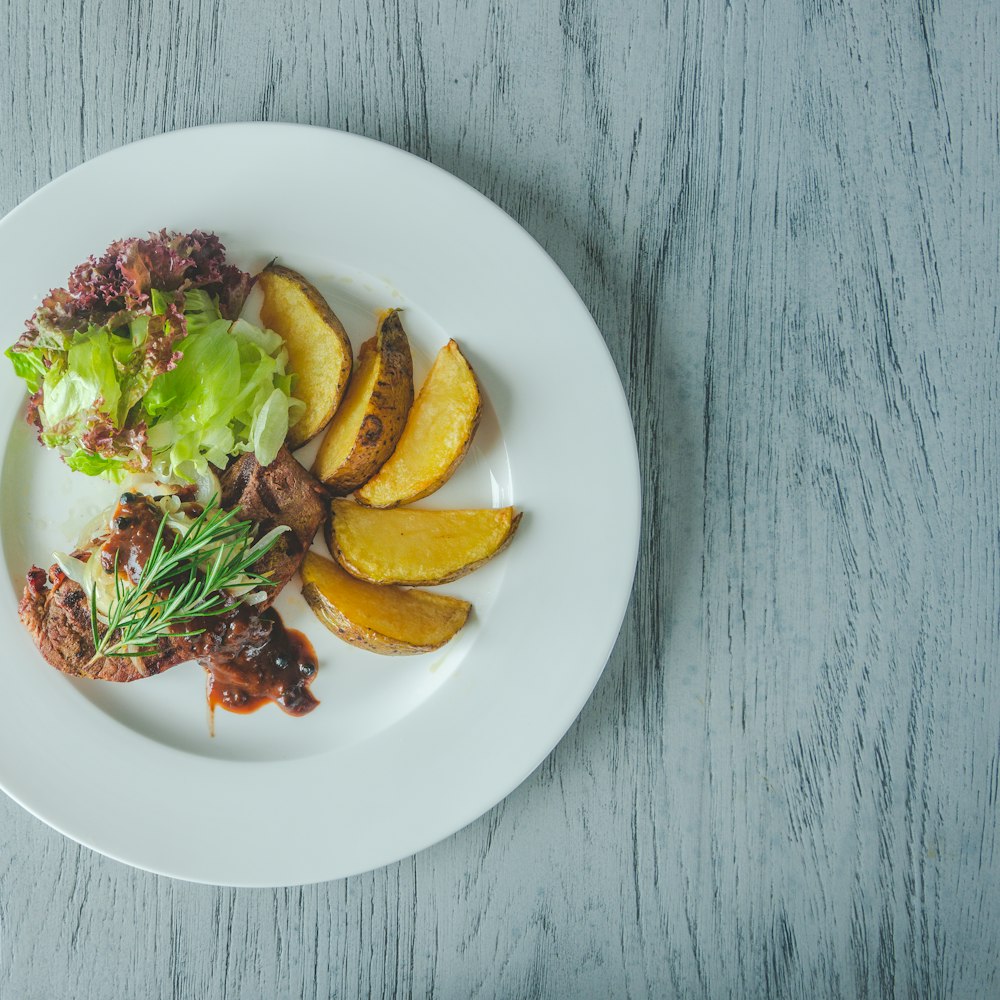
point(402, 751)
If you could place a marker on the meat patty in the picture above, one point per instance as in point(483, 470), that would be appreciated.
point(56, 612)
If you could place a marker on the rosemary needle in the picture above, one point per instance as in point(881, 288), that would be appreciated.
point(181, 582)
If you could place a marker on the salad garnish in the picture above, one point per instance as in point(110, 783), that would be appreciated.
point(141, 363)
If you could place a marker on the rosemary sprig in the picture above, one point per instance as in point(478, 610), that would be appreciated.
point(181, 582)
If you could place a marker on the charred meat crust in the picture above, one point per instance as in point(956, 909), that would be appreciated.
point(58, 618)
point(280, 493)
point(56, 613)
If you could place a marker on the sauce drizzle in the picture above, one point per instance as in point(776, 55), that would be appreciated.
point(133, 531)
point(251, 658)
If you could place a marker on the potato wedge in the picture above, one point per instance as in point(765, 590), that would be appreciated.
point(389, 620)
point(319, 352)
point(438, 432)
point(416, 547)
point(372, 415)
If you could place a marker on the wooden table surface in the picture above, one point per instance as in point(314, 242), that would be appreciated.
point(783, 216)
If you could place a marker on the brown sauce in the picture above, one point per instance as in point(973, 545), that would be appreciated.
point(133, 531)
point(251, 658)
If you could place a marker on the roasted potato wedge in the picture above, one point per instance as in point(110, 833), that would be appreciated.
point(438, 432)
point(372, 415)
point(319, 352)
point(416, 547)
point(390, 620)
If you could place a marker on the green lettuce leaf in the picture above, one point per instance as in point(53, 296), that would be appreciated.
point(96, 465)
point(86, 382)
point(29, 365)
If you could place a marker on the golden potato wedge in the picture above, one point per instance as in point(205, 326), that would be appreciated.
point(372, 415)
point(416, 547)
point(389, 620)
point(438, 432)
point(319, 352)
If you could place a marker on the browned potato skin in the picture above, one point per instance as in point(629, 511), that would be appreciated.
point(356, 635)
point(385, 412)
point(338, 554)
point(366, 638)
point(434, 484)
point(319, 412)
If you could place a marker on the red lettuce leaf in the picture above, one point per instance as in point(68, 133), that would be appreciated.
point(102, 438)
point(115, 288)
point(31, 415)
point(163, 332)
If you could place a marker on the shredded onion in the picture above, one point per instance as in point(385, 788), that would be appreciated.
point(206, 485)
point(90, 574)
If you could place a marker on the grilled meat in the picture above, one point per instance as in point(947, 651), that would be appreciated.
point(56, 612)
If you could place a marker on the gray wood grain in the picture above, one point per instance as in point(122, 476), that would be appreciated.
point(783, 217)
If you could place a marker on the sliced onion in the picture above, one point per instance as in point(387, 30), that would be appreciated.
point(169, 504)
point(75, 569)
point(207, 486)
point(101, 584)
point(147, 483)
point(96, 527)
point(90, 576)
